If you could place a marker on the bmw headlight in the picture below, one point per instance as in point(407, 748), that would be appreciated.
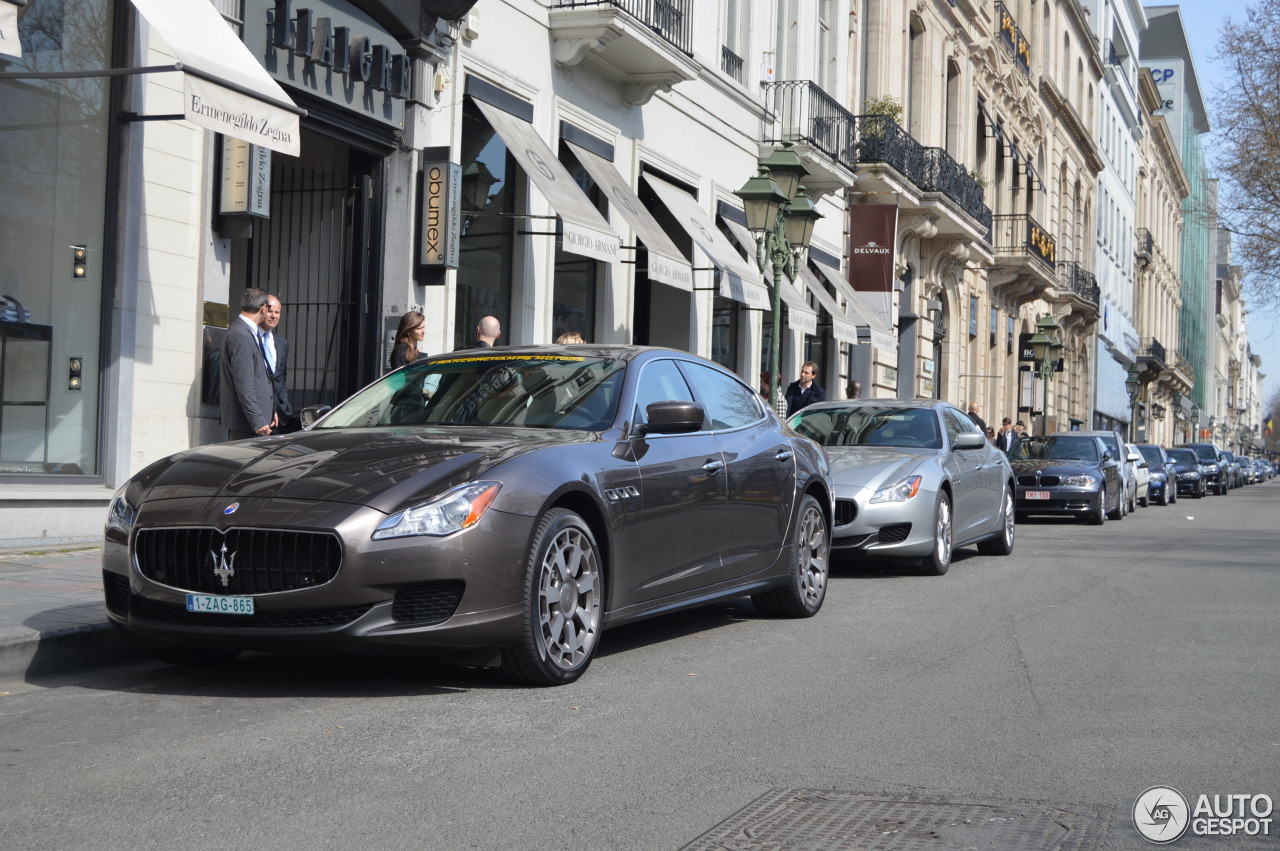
point(120, 513)
point(900, 491)
point(456, 510)
point(1080, 481)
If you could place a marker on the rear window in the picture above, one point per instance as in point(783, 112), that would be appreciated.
point(1204, 452)
point(1151, 453)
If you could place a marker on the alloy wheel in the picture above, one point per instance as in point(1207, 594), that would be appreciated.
point(569, 605)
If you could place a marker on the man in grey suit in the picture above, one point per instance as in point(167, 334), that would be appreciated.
point(277, 352)
point(245, 390)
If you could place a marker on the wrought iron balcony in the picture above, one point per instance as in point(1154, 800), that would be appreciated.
point(1019, 235)
point(1079, 280)
point(1153, 352)
point(1178, 362)
point(879, 139)
point(943, 174)
point(671, 20)
point(731, 63)
point(806, 113)
point(1145, 245)
point(1018, 45)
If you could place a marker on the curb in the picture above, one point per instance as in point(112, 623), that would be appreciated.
point(68, 651)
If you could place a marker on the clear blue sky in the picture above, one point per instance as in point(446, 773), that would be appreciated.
point(1203, 21)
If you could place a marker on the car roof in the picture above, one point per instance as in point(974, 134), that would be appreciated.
point(882, 403)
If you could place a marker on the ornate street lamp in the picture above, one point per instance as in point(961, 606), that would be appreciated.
point(782, 217)
point(1132, 385)
point(1045, 345)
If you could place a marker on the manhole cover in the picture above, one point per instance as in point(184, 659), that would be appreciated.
point(813, 820)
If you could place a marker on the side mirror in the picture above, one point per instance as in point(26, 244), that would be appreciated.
point(1136, 458)
point(673, 418)
point(969, 440)
point(311, 413)
point(1106, 455)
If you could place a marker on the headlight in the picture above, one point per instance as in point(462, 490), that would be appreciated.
point(1079, 481)
point(899, 491)
point(456, 510)
point(120, 514)
point(1211, 468)
point(1188, 477)
point(1157, 477)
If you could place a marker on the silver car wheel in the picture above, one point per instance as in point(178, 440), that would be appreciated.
point(813, 557)
point(942, 532)
point(568, 599)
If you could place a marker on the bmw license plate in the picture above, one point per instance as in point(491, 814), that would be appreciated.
point(219, 605)
point(1036, 495)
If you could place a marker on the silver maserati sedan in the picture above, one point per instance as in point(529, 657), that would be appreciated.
point(913, 479)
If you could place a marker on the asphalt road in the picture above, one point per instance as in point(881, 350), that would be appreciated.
point(1092, 664)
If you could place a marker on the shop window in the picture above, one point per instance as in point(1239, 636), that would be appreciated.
point(488, 242)
point(724, 333)
point(577, 278)
point(53, 238)
point(973, 316)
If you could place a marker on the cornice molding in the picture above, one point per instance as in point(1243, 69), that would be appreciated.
point(1080, 134)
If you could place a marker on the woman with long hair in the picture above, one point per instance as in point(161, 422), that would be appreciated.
point(412, 330)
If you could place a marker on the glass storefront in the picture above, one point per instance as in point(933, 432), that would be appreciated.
point(53, 179)
point(488, 232)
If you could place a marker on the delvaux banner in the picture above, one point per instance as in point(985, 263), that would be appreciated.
point(873, 230)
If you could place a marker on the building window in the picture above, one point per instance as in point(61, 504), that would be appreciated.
point(973, 316)
point(488, 238)
point(995, 324)
point(53, 238)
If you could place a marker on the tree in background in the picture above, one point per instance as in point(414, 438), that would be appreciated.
point(1247, 148)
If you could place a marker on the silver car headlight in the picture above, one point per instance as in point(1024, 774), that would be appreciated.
point(456, 510)
point(1081, 481)
point(120, 514)
point(899, 491)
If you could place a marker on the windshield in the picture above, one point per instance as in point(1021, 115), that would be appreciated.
point(1152, 454)
point(1071, 449)
point(551, 391)
point(870, 425)
point(1204, 452)
point(1182, 456)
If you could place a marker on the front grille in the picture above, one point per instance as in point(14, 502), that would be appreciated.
point(428, 604)
point(851, 541)
point(152, 610)
point(241, 561)
point(846, 511)
point(1039, 481)
point(1050, 481)
point(115, 587)
point(895, 533)
point(1027, 481)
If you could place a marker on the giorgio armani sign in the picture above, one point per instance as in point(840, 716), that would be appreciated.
point(332, 50)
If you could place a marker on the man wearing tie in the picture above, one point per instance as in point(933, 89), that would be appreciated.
point(246, 396)
point(1007, 438)
point(276, 351)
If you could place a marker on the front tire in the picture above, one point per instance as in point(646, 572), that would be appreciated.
point(939, 561)
point(1002, 543)
point(806, 586)
point(1100, 515)
point(563, 603)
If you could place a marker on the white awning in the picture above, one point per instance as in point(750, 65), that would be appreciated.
point(882, 337)
point(737, 280)
point(225, 89)
point(842, 327)
point(666, 264)
point(800, 316)
point(585, 230)
point(10, 44)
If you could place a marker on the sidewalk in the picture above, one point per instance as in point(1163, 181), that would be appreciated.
point(52, 618)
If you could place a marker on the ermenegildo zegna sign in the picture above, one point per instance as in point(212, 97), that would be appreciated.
point(334, 51)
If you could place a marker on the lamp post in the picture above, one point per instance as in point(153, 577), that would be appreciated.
point(781, 216)
point(1046, 345)
point(1132, 385)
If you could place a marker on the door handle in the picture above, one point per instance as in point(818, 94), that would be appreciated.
point(783, 455)
point(713, 466)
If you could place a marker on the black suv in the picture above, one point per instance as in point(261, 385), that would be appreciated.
point(1215, 467)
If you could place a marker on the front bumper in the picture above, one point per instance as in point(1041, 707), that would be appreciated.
point(429, 596)
point(885, 529)
point(1069, 501)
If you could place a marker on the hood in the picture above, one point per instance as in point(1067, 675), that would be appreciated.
point(381, 467)
point(1057, 468)
point(873, 466)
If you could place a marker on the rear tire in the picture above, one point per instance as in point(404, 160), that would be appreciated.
point(806, 586)
point(1002, 543)
point(563, 603)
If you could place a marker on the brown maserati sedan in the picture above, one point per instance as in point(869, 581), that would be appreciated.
point(493, 507)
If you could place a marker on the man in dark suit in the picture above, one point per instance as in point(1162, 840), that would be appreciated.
point(1006, 438)
point(488, 330)
point(246, 395)
point(806, 391)
point(276, 349)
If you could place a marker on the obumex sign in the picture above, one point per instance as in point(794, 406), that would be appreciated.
point(441, 219)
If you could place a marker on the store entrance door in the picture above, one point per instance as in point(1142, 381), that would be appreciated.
point(316, 254)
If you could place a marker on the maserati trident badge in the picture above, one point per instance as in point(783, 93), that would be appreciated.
point(222, 568)
point(231, 509)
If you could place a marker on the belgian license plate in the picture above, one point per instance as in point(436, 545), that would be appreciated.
point(1036, 495)
point(219, 605)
